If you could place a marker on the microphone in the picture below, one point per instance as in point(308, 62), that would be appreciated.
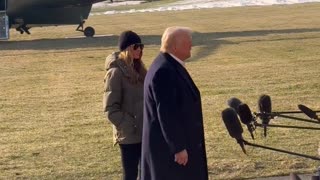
point(234, 103)
point(265, 104)
point(232, 123)
point(265, 108)
point(246, 118)
point(309, 112)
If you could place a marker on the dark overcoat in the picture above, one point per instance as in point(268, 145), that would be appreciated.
point(172, 121)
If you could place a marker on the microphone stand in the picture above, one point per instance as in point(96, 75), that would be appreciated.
point(296, 118)
point(280, 150)
point(284, 126)
point(291, 112)
point(279, 114)
point(315, 177)
point(266, 117)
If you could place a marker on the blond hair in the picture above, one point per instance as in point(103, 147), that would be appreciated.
point(136, 67)
point(171, 36)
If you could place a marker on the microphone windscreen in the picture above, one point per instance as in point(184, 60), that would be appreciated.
point(265, 104)
point(309, 112)
point(234, 103)
point(245, 114)
point(232, 123)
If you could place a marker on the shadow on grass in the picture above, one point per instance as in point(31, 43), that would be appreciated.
point(59, 44)
point(208, 41)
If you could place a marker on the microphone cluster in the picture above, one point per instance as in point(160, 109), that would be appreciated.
point(237, 109)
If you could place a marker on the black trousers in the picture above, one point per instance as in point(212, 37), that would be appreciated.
point(130, 157)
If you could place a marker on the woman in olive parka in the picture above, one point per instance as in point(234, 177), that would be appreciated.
point(123, 100)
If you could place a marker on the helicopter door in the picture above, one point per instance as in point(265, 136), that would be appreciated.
point(4, 21)
point(3, 5)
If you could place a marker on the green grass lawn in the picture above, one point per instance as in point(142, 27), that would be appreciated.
point(51, 120)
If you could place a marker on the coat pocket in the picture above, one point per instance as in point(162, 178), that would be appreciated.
point(127, 128)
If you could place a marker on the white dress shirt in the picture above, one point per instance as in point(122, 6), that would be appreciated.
point(179, 61)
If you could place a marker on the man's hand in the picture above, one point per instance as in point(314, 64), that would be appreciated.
point(181, 157)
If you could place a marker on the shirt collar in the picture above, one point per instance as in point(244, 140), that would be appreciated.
point(178, 60)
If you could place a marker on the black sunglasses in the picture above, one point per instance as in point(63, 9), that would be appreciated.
point(139, 45)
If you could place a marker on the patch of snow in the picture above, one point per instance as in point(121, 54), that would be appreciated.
point(195, 4)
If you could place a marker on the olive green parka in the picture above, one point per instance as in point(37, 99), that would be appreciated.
point(122, 101)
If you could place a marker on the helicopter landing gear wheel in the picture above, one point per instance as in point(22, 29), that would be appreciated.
point(89, 31)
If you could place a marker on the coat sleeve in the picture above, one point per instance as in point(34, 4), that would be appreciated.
point(165, 90)
point(112, 98)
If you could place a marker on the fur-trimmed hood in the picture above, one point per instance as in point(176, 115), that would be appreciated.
point(113, 61)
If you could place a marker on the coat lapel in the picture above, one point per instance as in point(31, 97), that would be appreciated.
point(184, 74)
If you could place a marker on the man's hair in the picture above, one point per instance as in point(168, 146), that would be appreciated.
point(171, 36)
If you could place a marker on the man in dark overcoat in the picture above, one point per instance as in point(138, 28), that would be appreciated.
point(173, 145)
